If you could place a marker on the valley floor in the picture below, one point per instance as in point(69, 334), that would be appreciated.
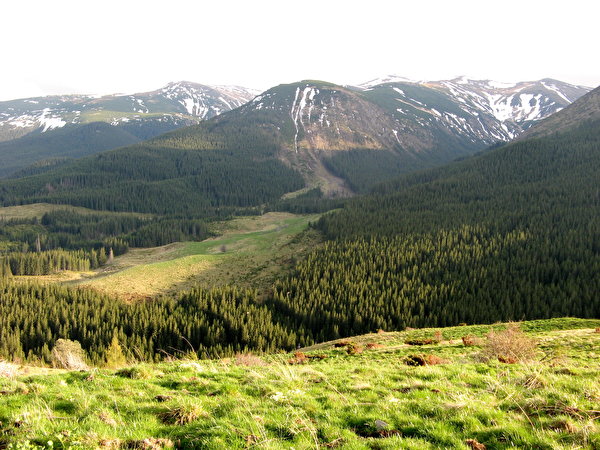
point(359, 394)
point(248, 252)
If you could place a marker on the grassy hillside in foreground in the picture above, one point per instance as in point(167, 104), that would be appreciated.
point(371, 399)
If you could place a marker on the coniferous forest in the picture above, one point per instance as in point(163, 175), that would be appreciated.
point(510, 234)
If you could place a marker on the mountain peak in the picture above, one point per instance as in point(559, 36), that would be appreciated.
point(386, 79)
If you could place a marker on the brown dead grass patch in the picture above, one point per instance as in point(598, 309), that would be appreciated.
point(182, 415)
point(423, 360)
point(248, 359)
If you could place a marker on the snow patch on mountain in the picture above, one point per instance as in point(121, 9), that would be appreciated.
point(554, 88)
point(47, 119)
point(386, 79)
point(49, 122)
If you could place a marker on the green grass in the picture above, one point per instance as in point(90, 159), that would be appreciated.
point(369, 400)
point(37, 210)
point(249, 252)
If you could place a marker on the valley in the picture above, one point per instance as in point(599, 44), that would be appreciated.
point(249, 252)
point(339, 261)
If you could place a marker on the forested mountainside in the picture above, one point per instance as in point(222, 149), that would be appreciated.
point(509, 234)
point(338, 139)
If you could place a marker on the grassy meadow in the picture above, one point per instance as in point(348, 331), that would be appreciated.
point(37, 210)
point(248, 252)
point(358, 394)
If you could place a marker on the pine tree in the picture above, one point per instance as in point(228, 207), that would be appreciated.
point(114, 354)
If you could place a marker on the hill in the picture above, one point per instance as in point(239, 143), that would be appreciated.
point(372, 396)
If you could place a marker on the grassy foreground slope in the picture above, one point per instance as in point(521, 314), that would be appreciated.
point(371, 399)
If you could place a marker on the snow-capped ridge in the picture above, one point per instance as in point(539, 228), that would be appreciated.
point(178, 102)
point(491, 110)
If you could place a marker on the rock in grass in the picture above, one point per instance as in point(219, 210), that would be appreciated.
point(380, 425)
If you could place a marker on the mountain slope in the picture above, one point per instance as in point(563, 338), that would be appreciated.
point(195, 171)
point(416, 124)
point(512, 233)
point(183, 99)
point(339, 139)
point(479, 110)
point(587, 109)
point(559, 166)
point(48, 127)
point(326, 397)
point(68, 142)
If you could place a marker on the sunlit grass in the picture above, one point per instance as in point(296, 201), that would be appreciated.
point(368, 400)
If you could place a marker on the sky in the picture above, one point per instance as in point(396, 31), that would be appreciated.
point(128, 46)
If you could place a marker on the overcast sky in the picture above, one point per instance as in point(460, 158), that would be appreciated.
point(127, 46)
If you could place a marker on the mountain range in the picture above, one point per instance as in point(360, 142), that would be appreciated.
point(71, 126)
point(345, 139)
point(341, 139)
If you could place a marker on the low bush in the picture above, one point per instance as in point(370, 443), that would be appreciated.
point(510, 346)
point(469, 340)
point(248, 359)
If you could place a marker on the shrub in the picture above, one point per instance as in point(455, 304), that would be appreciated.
point(302, 358)
point(423, 360)
point(510, 346)
point(474, 444)
point(69, 355)
point(353, 348)
point(135, 373)
point(374, 345)
point(114, 354)
point(469, 340)
point(299, 358)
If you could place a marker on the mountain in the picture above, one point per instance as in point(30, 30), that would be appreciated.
point(342, 140)
point(530, 176)
point(182, 100)
point(41, 128)
point(509, 234)
point(480, 110)
point(416, 124)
